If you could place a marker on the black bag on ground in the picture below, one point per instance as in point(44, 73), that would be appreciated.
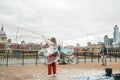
point(108, 71)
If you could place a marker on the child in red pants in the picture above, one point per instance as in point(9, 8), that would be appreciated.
point(52, 67)
point(51, 56)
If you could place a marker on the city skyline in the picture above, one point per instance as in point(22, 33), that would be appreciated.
point(69, 21)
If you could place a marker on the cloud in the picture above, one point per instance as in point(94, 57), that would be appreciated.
point(70, 21)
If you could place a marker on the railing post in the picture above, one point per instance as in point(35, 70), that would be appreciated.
point(98, 57)
point(115, 58)
point(92, 57)
point(36, 57)
point(23, 58)
point(7, 57)
point(85, 57)
point(110, 57)
point(76, 55)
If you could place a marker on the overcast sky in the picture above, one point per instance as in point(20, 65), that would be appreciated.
point(70, 21)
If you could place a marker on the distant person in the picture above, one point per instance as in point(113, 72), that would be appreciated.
point(103, 53)
point(43, 51)
point(60, 51)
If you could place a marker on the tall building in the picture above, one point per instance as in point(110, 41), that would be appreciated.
point(3, 38)
point(108, 41)
point(116, 35)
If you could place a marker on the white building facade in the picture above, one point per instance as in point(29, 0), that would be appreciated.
point(3, 38)
point(108, 41)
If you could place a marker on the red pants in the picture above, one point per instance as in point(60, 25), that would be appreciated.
point(52, 67)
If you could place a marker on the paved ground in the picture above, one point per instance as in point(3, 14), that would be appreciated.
point(64, 72)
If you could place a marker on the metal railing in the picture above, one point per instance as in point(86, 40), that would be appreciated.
point(86, 56)
point(24, 57)
point(18, 56)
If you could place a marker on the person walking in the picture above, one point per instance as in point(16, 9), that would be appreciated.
point(103, 53)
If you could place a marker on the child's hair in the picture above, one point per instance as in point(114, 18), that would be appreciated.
point(46, 45)
point(53, 40)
